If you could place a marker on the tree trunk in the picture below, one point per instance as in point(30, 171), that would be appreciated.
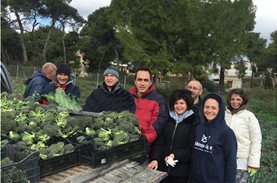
point(22, 42)
point(44, 53)
point(221, 80)
point(64, 49)
point(252, 75)
point(116, 57)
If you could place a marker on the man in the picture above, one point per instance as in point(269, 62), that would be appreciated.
point(196, 89)
point(40, 79)
point(110, 96)
point(151, 109)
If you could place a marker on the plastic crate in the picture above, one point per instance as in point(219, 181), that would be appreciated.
point(25, 166)
point(59, 163)
point(95, 158)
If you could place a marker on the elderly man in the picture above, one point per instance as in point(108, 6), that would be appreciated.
point(110, 96)
point(196, 89)
point(40, 79)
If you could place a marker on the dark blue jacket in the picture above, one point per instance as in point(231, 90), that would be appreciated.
point(35, 84)
point(214, 154)
point(117, 100)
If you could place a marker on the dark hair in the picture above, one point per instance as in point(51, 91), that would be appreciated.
point(143, 69)
point(181, 94)
point(239, 92)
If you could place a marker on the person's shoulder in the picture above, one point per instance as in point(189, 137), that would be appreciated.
point(246, 112)
point(39, 80)
point(228, 131)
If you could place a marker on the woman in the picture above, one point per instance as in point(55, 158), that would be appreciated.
point(248, 134)
point(214, 154)
point(63, 81)
point(172, 149)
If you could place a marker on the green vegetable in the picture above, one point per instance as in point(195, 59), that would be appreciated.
point(90, 132)
point(55, 150)
point(28, 138)
point(120, 137)
point(104, 134)
point(14, 136)
point(6, 161)
point(62, 100)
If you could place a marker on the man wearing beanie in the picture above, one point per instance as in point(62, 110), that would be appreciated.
point(110, 96)
point(63, 81)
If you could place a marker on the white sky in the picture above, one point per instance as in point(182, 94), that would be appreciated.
point(266, 13)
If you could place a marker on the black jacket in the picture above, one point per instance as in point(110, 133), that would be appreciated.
point(117, 100)
point(177, 139)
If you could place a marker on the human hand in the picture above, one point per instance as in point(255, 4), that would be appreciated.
point(252, 171)
point(153, 165)
point(170, 161)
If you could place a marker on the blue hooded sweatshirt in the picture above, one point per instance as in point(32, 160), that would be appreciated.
point(214, 154)
point(35, 84)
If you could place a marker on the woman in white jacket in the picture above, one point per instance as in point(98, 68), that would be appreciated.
point(248, 134)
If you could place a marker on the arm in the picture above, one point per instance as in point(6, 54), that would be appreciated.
point(158, 148)
point(36, 86)
point(256, 141)
point(160, 115)
point(92, 104)
point(230, 156)
point(77, 91)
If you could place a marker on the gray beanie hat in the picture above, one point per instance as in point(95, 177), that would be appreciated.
point(112, 71)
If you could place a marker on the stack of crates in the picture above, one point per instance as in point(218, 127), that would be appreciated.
point(24, 165)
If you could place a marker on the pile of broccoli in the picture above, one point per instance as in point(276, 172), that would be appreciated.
point(27, 123)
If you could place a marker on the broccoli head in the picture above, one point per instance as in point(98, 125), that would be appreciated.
point(105, 134)
point(55, 150)
point(120, 137)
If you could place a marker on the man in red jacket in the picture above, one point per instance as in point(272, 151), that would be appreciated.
point(151, 108)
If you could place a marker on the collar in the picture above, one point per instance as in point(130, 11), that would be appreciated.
point(233, 111)
point(178, 118)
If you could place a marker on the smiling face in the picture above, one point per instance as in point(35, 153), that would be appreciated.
point(110, 80)
point(236, 101)
point(211, 109)
point(62, 78)
point(143, 82)
point(180, 106)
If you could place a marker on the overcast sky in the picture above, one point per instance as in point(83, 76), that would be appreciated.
point(266, 14)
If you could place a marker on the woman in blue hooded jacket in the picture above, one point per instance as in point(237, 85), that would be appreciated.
point(214, 154)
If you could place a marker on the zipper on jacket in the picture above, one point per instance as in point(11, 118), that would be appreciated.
point(171, 145)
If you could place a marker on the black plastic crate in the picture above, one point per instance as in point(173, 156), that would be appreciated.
point(95, 158)
point(59, 163)
point(25, 166)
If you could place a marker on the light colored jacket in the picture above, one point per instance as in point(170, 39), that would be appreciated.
point(248, 134)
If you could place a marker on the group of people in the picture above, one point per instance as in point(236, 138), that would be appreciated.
point(194, 140)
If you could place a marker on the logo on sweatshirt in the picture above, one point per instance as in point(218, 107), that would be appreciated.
point(203, 145)
point(205, 138)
